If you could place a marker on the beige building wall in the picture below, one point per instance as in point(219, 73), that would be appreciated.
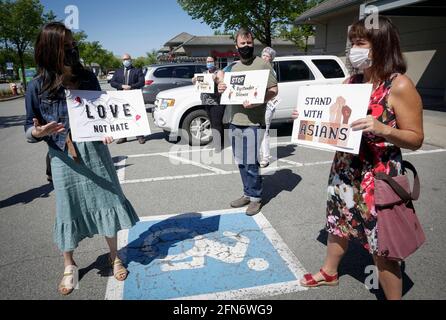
point(423, 42)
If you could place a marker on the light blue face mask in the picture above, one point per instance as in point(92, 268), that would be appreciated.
point(127, 63)
point(210, 65)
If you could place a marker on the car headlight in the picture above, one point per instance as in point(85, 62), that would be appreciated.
point(166, 103)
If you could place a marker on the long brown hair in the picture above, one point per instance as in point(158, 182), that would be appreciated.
point(386, 50)
point(49, 55)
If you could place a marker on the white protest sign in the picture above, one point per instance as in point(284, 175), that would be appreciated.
point(97, 114)
point(245, 86)
point(326, 113)
point(205, 83)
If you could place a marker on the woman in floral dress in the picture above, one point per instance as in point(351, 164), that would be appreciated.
point(394, 121)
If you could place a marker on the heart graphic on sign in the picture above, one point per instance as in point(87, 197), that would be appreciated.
point(138, 117)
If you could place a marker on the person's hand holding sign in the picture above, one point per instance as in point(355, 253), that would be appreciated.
point(370, 124)
point(295, 114)
point(40, 131)
point(248, 105)
point(222, 87)
point(107, 140)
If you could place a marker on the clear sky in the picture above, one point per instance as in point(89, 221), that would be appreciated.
point(134, 26)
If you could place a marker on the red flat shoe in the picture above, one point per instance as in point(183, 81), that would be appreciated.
point(310, 282)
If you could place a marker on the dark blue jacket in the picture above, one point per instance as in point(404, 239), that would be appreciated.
point(43, 108)
point(136, 78)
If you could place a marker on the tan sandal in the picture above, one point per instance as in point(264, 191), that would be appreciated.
point(69, 281)
point(121, 273)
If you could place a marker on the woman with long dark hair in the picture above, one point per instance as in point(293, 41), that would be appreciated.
point(394, 121)
point(89, 198)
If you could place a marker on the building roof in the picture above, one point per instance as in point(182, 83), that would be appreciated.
point(164, 49)
point(325, 7)
point(179, 39)
point(214, 41)
point(227, 40)
point(179, 50)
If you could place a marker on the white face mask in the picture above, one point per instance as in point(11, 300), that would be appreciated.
point(359, 57)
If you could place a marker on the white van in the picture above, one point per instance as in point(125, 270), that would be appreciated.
point(181, 108)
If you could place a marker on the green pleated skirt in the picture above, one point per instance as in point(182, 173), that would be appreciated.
point(89, 198)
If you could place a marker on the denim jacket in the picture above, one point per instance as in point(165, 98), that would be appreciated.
point(41, 107)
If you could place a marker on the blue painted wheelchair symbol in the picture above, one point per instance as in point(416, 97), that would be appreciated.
point(225, 255)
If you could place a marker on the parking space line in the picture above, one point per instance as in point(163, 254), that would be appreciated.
point(419, 152)
point(197, 164)
point(199, 175)
point(120, 167)
point(293, 163)
point(259, 292)
point(216, 172)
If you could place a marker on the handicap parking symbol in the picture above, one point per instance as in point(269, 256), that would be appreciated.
point(214, 255)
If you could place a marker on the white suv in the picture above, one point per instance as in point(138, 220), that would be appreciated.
point(180, 112)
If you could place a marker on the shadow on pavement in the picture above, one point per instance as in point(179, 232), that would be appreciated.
point(286, 151)
point(12, 121)
point(355, 262)
point(155, 242)
point(101, 264)
point(156, 136)
point(28, 196)
point(282, 180)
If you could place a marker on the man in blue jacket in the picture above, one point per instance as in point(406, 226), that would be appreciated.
point(128, 78)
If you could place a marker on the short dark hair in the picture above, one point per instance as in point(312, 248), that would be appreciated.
point(386, 49)
point(243, 32)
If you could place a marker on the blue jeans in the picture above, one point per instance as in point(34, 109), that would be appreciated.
point(246, 143)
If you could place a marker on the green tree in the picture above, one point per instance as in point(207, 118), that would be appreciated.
point(50, 16)
point(223, 33)
point(20, 22)
point(262, 17)
point(139, 62)
point(80, 37)
point(299, 35)
point(93, 52)
point(152, 57)
point(108, 62)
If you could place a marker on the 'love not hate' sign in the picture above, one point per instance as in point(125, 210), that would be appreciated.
point(97, 114)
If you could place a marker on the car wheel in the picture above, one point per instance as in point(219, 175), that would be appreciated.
point(197, 128)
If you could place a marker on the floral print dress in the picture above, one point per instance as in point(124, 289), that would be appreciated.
point(351, 210)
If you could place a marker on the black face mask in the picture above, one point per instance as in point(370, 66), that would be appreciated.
point(246, 52)
point(72, 57)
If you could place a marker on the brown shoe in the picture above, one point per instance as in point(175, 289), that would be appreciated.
point(122, 140)
point(141, 140)
point(253, 208)
point(239, 203)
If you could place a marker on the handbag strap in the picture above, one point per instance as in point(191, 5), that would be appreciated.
point(403, 194)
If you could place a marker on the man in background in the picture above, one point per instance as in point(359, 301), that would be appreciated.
point(128, 78)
